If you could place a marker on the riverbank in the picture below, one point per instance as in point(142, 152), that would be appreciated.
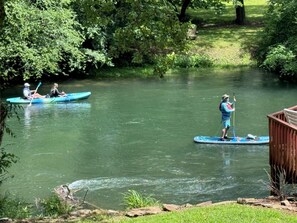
point(247, 210)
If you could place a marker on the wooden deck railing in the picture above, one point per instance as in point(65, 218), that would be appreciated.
point(282, 149)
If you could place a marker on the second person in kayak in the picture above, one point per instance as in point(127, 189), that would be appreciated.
point(55, 91)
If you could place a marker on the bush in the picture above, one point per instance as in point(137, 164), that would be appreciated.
point(281, 60)
point(14, 208)
point(277, 43)
point(185, 61)
point(53, 206)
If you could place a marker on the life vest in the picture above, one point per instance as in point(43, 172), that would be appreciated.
point(228, 106)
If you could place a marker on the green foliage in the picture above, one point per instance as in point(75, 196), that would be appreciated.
point(163, 64)
point(131, 32)
point(39, 39)
point(282, 60)
point(277, 48)
point(53, 206)
point(6, 159)
point(11, 207)
point(186, 61)
point(96, 20)
point(146, 29)
point(133, 199)
point(50, 37)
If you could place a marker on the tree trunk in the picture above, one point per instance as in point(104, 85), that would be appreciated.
point(240, 13)
point(3, 115)
point(182, 15)
point(2, 12)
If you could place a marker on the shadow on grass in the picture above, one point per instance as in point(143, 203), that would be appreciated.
point(210, 37)
point(254, 15)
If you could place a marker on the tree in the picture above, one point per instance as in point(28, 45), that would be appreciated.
point(51, 37)
point(131, 32)
point(216, 4)
point(38, 39)
point(240, 12)
point(2, 12)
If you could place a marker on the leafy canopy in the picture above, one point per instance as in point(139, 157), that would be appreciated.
point(53, 37)
point(38, 39)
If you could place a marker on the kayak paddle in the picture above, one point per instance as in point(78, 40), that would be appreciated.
point(34, 93)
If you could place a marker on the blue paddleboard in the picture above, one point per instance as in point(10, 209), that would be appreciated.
point(257, 140)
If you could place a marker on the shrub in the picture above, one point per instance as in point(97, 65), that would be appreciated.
point(281, 60)
point(14, 208)
point(277, 43)
point(185, 61)
point(53, 206)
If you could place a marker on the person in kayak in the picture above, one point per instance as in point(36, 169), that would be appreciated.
point(55, 91)
point(226, 109)
point(30, 94)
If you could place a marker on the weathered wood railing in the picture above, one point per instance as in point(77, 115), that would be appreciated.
point(282, 150)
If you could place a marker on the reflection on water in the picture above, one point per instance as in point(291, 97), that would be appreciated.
point(52, 109)
point(138, 134)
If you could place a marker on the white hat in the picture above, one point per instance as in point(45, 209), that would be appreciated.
point(225, 96)
point(27, 85)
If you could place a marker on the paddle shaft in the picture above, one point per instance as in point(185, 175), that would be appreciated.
point(234, 135)
point(34, 93)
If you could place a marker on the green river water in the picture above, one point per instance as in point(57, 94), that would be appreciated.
point(138, 134)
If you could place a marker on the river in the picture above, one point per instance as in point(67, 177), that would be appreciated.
point(136, 134)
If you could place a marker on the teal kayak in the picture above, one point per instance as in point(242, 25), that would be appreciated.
point(69, 97)
point(258, 140)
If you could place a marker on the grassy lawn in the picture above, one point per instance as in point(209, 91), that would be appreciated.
point(228, 213)
point(254, 11)
point(224, 42)
point(225, 46)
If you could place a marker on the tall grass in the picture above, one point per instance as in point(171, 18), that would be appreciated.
point(133, 199)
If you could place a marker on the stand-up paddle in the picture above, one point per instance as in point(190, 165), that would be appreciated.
point(35, 93)
point(234, 100)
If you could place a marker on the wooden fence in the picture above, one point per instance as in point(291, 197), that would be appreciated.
point(282, 150)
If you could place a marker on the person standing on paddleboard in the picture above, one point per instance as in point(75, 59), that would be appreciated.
point(226, 109)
